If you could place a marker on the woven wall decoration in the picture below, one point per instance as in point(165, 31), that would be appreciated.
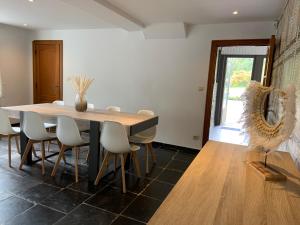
point(262, 134)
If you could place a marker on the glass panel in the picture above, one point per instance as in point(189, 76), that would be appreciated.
point(237, 78)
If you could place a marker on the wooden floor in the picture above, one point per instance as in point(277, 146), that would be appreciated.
point(220, 188)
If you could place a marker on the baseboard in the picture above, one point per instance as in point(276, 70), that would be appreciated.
point(175, 147)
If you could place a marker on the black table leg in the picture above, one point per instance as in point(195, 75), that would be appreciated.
point(94, 157)
point(23, 141)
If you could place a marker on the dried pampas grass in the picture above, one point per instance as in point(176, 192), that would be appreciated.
point(81, 83)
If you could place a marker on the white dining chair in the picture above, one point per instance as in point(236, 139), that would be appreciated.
point(34, 129)
point(115, 141)
point(6, 130)
point(58, 102)
point(113, 108)
point(69, 136)
point(146, 137)
point(50, 125)
point(90, 106)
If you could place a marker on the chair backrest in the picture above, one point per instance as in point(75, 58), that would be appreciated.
point(33, 126)
point(58, 102)
point(5, 126)
point(114, 137)
point(67, 131)
point(145, 112)
point(90, 106)
point(113, 108)
point(151, 132)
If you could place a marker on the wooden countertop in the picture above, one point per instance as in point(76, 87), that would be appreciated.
point(220, 188)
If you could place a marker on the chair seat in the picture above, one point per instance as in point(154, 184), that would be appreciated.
point(140, 139)
point(48, 137)
point(49, 125)
point(81, 144)
point(17, 130)
point(83, 125)
point(13, 131)
point(134, 148)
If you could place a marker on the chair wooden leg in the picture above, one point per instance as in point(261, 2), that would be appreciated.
point(34, 152)
point(9, 150)
point(123, 172)
point(136, 163)
point(63, 156)
point(61, 153)
point(125, 156)
point(76, 156)
point(27, 150)
point(116, 162)
point(17, 144)
point(43, 156)
point(87, 155)
point(153, 156)
point(49, 143)
point(103, 166)
point(103, 153)
point(147, 158)
point(108, 160)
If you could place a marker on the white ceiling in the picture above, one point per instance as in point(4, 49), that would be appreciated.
point(133, 14)
point(201, 11)
point(47, 14)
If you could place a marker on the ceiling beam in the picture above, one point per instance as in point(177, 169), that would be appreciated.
point(109, 13)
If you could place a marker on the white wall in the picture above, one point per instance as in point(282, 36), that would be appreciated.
point(162, 75)
point(16, 65)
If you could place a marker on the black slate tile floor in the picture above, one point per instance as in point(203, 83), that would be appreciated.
point(158, 190)
point(87, 215)
point(169, 176)
point(39, 215)
point(126, 221)
point(65, 200)
point(142, 208)
point(38, 193)
point(12, 206)
point(27, 197)
point(111, 199)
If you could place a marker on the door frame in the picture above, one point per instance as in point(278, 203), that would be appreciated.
point(212, 70)
point(47, 42)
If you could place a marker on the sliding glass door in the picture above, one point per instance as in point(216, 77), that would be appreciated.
point(233, 76)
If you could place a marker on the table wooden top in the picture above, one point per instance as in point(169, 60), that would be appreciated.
point(220, 188)
point(48, 109)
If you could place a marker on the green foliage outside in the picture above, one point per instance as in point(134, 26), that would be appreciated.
point(240, 70)
point(235, 98)
point(240, 78)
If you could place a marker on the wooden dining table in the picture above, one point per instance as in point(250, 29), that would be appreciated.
point(134, 123)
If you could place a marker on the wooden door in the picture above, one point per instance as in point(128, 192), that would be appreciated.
point(47, 71)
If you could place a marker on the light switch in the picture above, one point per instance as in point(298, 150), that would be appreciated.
point(200, 88)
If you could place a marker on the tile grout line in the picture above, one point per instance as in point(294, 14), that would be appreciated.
point(52, 208)
point(15, 216)
point(66, 214)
